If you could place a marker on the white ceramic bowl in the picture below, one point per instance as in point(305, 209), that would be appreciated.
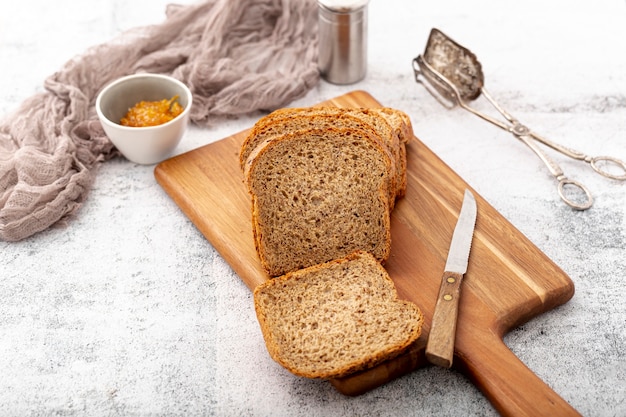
point(143, 145)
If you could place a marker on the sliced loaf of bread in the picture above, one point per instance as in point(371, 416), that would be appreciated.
point(318, 195)
point(330, 320)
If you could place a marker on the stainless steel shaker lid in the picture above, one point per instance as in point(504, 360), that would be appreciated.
point(343, 5)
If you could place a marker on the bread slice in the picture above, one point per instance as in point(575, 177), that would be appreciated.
point(318, 195)
point(330, 320)
point(392, 126)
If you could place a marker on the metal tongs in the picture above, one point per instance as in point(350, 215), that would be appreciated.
point(455, 73)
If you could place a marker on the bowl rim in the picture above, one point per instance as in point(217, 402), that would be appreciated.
point(126, 78)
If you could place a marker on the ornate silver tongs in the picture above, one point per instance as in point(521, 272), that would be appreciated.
point(456, 75)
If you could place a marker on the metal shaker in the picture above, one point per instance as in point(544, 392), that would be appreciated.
point(342, 51)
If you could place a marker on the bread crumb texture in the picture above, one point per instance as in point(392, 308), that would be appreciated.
point(333, 319)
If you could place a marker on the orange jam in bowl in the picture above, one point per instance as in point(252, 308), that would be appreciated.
point(152, 113)
point(155, 142)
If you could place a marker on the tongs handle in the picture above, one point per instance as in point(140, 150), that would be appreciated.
point(556, 170)
point(597, 162)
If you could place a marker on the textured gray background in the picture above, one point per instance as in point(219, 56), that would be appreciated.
point(129, 310)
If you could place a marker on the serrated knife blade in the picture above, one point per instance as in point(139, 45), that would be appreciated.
point(440, 345)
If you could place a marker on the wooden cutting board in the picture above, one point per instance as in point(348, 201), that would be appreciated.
point(509, 280)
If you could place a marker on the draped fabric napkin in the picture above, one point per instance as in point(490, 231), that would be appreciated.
point(236, 56)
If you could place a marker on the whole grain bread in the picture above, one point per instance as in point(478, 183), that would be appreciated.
point(392, 126)
point(318, 195)
point(333, 319)
point(276, 126)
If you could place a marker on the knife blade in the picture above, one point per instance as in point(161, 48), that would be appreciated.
point(440, 345)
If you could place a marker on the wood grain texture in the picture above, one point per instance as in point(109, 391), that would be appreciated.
point(508, 281)
point(440, 345)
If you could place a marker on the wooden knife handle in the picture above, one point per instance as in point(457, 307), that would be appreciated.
point(440, 346)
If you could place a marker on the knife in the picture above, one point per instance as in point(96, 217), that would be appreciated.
point(440, 345)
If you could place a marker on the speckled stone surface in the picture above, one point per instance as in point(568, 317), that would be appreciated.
point(129, 311)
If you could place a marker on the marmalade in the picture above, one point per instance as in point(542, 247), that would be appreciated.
point(152, 113)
